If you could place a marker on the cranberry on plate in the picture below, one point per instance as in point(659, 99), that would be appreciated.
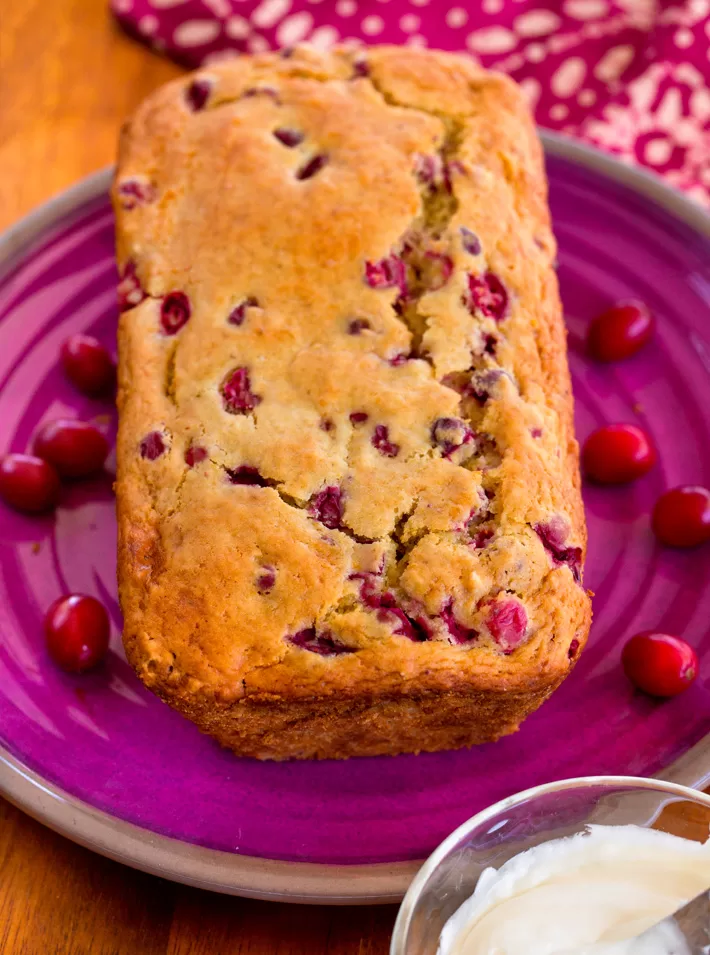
point(681, 517)
point(620, 331)
point(28, 483)
point(617, 454)
point(88, 365)
point(77, 631)
point(76, 448)
point(659, 664)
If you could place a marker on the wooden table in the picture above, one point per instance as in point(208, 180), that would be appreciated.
point(68, 77)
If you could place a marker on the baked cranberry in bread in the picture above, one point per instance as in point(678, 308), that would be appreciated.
point(349, 511)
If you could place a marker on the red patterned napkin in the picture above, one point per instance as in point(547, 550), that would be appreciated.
point(632, 76)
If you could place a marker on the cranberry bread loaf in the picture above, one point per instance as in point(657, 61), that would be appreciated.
point(348, 493)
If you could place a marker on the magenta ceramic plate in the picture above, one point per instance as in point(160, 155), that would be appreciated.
point(97, 756)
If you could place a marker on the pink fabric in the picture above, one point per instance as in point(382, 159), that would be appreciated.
point(631, 76)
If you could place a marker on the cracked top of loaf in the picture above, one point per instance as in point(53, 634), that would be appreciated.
point(346, 460)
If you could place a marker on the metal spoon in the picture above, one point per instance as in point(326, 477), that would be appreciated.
point(687, 931)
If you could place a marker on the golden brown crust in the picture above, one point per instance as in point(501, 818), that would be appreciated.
point(405, 579)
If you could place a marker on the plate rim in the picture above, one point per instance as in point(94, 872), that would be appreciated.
point(233, 873)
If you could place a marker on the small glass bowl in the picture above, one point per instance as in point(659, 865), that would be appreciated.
point(493, 836)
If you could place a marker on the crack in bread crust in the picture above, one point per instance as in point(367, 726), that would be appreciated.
point(349, 337)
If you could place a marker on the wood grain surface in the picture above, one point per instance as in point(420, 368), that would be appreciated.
point(68, 77)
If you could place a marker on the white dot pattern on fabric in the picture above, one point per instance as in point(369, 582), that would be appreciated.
point(568, 77)
point(536, 23)
point(586, 9)
point(269, 12)
point(258, 44)
point(372, 25)
point(220, 56)
point(220, 8)
point(294, 28)
point(646, 96)
point(535, 53)
point(657, 152)
point(684, 38)
point(324, 37)
point(456, 17)
point(559, 112)
point(196, 32)
point(613, 63)
point(532, 89)
point(491, 40)
point(148, 24)
point(237, 28)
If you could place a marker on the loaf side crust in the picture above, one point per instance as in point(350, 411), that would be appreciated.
point(297, 581)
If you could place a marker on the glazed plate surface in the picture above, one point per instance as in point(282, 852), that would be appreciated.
point(99, 758)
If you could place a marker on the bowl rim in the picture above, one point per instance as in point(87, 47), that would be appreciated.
point(406, 909)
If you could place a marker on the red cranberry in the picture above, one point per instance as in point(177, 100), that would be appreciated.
point(358, 325)
point(152, 446)
point(399, 359)
point(246, 475)
point(573, 648)
point(450, 434)
point(490, 344)
point(481, 538)
point(239, 312)
point(507, 622)
point(237, 396)
point(488, 295)
point(389, 272)
point(483, 384)
point(88, 365)
point(323, 644)
point(553, 535)
point(77, 631)
point(620, 331)
point(197, 94)
point(415, 629)
point(617, 454)
point(130, 291)
point(359, 417)
point(459, 633)
point(361, 67)
point(314, 165)
point(266, 579)
point(327, 507)
point(381, 441)
point(429, 170)
point(194, 455)
point(135, 192)
point(470, 241)
point(28, 483)
point(289, 137)
point(659, 664)
point(75, 448)
point(681, 517)
point(174, 312)
point(327, 425)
